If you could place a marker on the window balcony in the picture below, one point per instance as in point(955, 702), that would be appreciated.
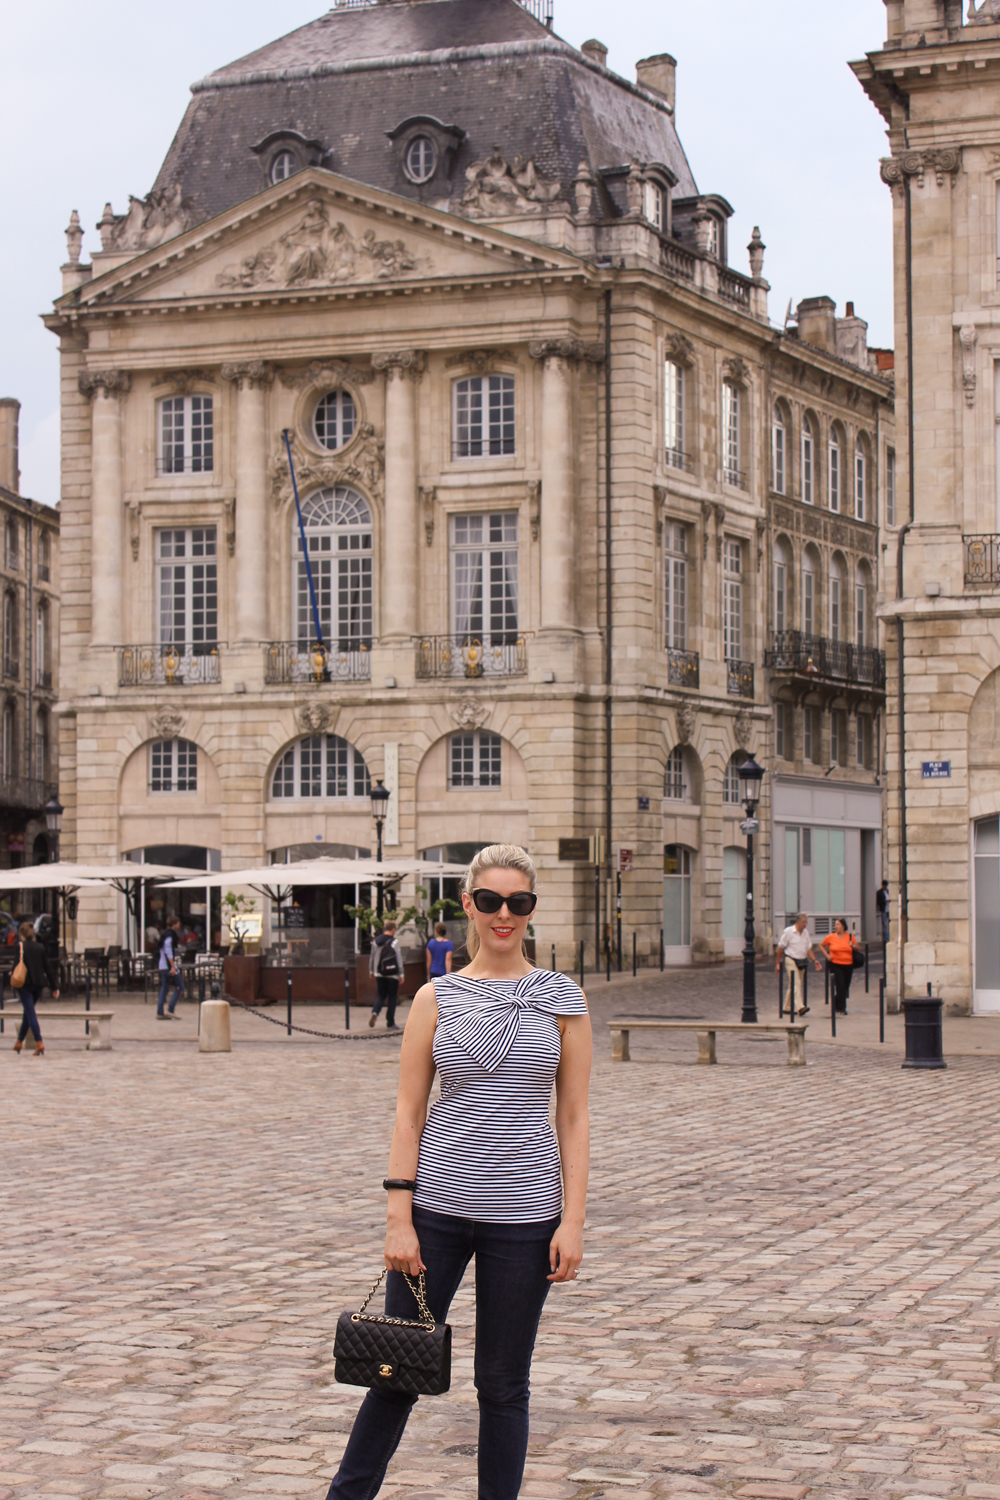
point(43, 680)
point(826, 660)
point(12, 668)
point(28, 793)
point(682, 668)
point(739, 679)
point(184, 464)
point(734, 288)
point(169, 666)
point(676, 458)
point(43, 572)
point(736, 477)
point(497, 654)
point(300, 662)
point(982, 559)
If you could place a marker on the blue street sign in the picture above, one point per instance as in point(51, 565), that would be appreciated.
point(935, 770)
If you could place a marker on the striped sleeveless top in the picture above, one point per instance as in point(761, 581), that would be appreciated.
point(488, 1151)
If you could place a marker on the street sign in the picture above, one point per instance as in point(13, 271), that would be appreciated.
point(624, 861)
point(644, 804)
point(935, 770)
point(750, 825)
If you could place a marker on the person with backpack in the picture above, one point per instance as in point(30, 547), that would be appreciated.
point(169, 968)
point(386, 964)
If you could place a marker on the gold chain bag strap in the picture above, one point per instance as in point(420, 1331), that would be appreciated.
point(394, 1354)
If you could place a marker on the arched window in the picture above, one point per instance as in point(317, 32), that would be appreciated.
point(808, 460)
point(655, 204)
point(44, 555)
point(779, 451)
point(860, 480)
point(10, 643)
point(335, 419)
point(810, 613)
point(782, 587)
point(673, 414)
point(732, 446)
point(283, 166)
point(338, 527)
point(8, 741)
point(836, 600)
point(678, 777)
point(321, 765)
point(732, 792)
point(10, 545)
point(43, 670)
point(834, 468)
point(42, 745)
point(421, 159)
point(862, 605)
point(483, 421)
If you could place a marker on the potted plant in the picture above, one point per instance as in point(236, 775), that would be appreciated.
point(241, 971)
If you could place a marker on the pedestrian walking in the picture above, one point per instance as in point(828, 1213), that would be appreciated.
point(840, 948)
point(482, 1174)
point(795, 949)
point(882, 908)
point(169, 970)
point(39, 974)
point(439, 952)
point(386, 963)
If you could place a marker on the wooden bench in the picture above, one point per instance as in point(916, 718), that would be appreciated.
point(622, 1025)
point(100, 1023)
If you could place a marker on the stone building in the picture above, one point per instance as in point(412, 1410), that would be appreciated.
point(549, 453)
point(936, 83)
point(29, 659)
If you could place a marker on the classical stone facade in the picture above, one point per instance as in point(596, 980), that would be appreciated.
point(936, 83)
point(460, 333)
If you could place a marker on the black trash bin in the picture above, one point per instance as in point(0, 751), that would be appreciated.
point(924, 1041)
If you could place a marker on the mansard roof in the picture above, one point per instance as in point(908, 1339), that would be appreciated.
point(350, 78)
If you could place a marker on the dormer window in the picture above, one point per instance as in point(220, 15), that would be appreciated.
point(655, 205)
point(285, 152)
point(283, 165)
point(421, 159)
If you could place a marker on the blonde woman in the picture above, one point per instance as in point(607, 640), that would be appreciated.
point(481, 1174)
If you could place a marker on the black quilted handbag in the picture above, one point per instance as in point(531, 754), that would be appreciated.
point(394, 1354)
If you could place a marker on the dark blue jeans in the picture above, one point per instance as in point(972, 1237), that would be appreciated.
point(388, 989)
point(29, 1019)
point(166, 981)
point(512, 1263)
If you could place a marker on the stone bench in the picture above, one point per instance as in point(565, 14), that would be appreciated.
point(622, 1025)
point(100, 1023)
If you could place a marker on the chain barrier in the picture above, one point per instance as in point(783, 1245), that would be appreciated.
point(332, 1036)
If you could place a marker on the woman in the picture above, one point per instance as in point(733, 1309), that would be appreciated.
point(39, 974)
point(839, 946)
point(480, 1173)
point(439, 951)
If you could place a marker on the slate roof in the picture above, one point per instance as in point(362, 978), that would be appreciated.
point(486, 66)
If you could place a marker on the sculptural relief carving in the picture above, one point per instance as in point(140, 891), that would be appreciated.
point(250, 371)
point(314, 718)
point(680, 347)
point(315, 252)
point(477, 361)
point(987, 14)
point(166, 724)
point(743, 729)
point(150, 221)
point(468, 712)
point(401, 362)
point(328, 372)
point(535, 507)
point(496, 188)
point(361, 462)
point(943, 161)
point(229, 513)
point(427, 498)
point(684, 717)
point(183, 381)
point(571, 349)
point(967, 338)
point(134, 512)
point(74, 238)
point(111, 382)
point(736, 369)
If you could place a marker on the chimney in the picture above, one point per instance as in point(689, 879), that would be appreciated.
point(817, 323)
point(10, 475)
point(659, 75)
point(597, 51)
point(852, 338)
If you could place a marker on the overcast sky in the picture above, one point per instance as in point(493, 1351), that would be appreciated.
point(767, 110)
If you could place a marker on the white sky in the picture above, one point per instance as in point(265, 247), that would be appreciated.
point(767, 110)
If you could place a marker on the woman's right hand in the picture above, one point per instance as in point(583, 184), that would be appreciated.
point(402, 1248)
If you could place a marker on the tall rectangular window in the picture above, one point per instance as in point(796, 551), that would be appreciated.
point(675, 582)
point(811, 735)
point(655, 204)
point(484, 576)
point(808, 601)
point(860, 482)
point(890, 486)
point(732, 600)
point(731, 446)
point(778, 443)
point(838, 737)
point(673, 413)
point(781, 736)
point(807, 461)
point(865, 739)
point(187, 587)
point(483, 416)
point(835, 588)
point(186, 435)
point(338, 527)
point(780, 596)
point(834, 474)
point(860, 614)
point(474, 760)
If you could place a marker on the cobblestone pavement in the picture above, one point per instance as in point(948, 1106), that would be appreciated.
point(790, 1286)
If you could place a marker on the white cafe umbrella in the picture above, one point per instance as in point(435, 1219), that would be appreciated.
point(269, 878)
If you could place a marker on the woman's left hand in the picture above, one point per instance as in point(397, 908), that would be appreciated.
point(566, 1252)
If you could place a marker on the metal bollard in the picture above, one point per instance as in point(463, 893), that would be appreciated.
point(347, 998)
point(866, 968)
point(781, 992)
point(288, 999)
point(86, 1004)
point(581, 963)
point(633, 955)
point(661, 950)
point(826, 982)
point(805, 987)
point(833, 1018)
point(553, 958)
point(3, 985)
point(607, 951)
point(881, 1009)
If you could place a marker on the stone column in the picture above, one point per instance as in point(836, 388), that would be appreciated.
point(401, 532)
point(251, 377)
point(558, 508)
point(106, 388)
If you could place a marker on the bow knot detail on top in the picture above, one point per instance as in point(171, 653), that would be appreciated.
point(489, 1031)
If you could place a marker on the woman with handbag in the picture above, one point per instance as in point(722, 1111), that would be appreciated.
point(34, 971)
point(840, 949)
point(481, 1173)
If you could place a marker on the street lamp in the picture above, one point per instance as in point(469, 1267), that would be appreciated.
point(751, 775)
point(380, 802)
point(53, 822)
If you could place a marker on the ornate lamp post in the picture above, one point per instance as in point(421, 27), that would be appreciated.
point(751, 775)
point(53, 821)
point(380, 801)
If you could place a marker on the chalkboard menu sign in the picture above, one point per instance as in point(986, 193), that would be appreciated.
point(293, 916)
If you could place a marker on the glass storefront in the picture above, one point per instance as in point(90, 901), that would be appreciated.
point(200, 911)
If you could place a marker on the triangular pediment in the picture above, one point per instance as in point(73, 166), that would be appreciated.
point(313, 233)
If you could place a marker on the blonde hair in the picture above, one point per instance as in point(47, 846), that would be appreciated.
point(494, 857)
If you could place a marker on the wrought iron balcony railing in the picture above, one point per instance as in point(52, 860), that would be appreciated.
point(736, 477)
point(300, 661)
point(676, 458)
point(169, 666)
point(739, 679)
point(817, 656)
point(982, 559)
point(682, 668)
point(492, 654)
point(26, 792)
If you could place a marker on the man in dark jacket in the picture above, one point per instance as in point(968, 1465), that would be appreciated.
point(386, 964)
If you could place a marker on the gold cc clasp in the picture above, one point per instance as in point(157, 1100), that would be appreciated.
point(385, 1370)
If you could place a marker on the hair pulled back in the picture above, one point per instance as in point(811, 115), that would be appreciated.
point(494, 857)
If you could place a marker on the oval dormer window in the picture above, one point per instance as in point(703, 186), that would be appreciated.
point(283, 166)
point(334, 419)
point(421, 159)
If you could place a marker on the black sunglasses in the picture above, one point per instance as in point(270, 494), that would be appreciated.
point(520, 904)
